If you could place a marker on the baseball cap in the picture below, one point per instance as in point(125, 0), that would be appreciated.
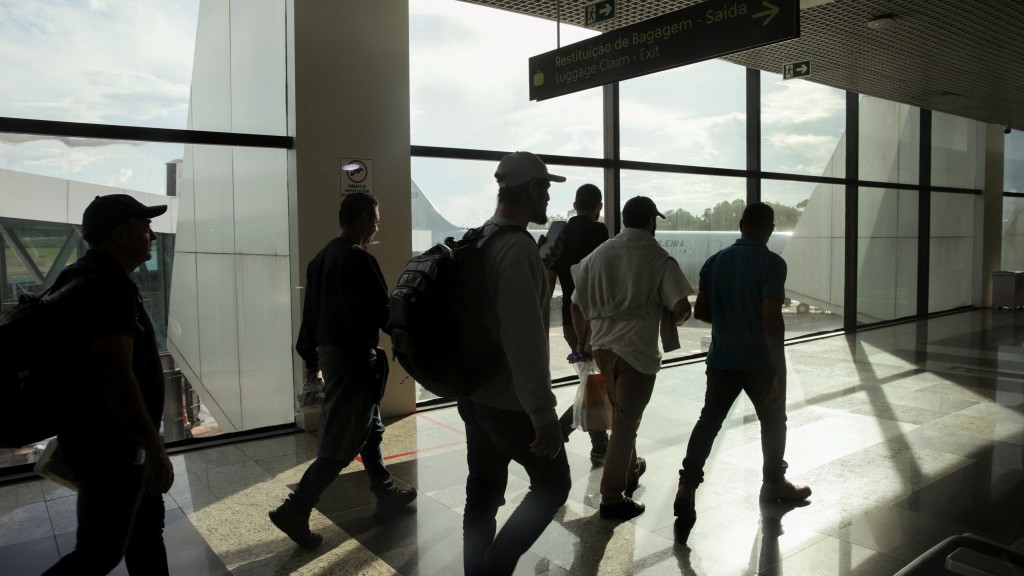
point(643, 206)
point(521, 167)
point(105, 213)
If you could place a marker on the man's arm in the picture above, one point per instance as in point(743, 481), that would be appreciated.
point(681, 311)
point(113, 354)
point(521, 306)
point(702, 308)
point(580, 325)
point(552, 278)
point(774, 333)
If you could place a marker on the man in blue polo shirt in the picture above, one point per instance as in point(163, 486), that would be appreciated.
point(741, 292)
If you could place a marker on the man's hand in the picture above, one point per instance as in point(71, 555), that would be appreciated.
point(553, 253)
point(161, 472)
point(777, 397)
point(548, 440)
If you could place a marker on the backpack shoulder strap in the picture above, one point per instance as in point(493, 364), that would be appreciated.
point(481, 235)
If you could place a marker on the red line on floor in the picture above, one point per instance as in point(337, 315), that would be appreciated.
point(441, 424)
point(411, 452)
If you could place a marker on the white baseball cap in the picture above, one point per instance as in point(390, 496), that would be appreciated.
point(521, 167)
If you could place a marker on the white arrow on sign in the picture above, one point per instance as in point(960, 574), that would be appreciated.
point(606, 10)
point(801, 68)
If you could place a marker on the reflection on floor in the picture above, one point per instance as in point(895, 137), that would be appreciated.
point(907, 434)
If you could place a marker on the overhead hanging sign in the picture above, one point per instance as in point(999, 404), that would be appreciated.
point(700, 32)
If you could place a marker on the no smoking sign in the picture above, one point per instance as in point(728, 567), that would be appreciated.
point(356, 175)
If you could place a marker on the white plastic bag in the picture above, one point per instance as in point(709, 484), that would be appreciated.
point(312, 393)
point(591, 410)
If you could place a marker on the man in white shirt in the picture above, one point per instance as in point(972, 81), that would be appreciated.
point(622, 290)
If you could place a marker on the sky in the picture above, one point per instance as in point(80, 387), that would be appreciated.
point(130, 62)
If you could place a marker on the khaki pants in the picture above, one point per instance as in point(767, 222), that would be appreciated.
point(629, 392)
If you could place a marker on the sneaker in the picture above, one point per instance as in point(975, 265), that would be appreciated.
point(685, 504)
point(633, 480)
point(624, 510)
point(785, 491)
point(598, 448)
point(394, 500)
point(294, 522)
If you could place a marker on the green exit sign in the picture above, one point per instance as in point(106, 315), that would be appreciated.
point(599, 12)
point(796, 70)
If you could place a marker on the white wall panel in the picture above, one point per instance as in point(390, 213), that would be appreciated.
point(264, 340)
point(185, 238)
point(32, 197)
point(218, 329)
point(258, 94)
point(183, 313)
point(210, 104)
point(214, 199)
point(261, 205)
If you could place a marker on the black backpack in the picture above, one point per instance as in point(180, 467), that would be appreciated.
point(437, 311)
point(42, 356)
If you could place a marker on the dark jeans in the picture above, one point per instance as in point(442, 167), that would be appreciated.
point(349, 424)
point(494, 438)
point(117, 519)
point(724, 386)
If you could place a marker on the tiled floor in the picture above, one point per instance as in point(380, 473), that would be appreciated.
point(907, 434)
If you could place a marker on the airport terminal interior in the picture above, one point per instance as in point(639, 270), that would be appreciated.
point(887, 136)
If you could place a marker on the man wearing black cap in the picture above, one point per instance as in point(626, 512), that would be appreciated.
point(120, 507)
point(623, 289)
point(512, 414)
point(582, 234)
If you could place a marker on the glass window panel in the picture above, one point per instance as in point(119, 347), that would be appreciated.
point(802, 127)
point(694, 115)
point(1013, 234)
point(886, 254)
point(469, 83)
point(889, 141)
point(954, 150)
point(809, 220)
point(127, 165)
point(951, 262)
point(1013, 166)
point(450, 196)
point(702, 217)
point(131, 63)
point(118, 62)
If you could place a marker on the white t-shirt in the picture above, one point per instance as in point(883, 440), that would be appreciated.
point(622, 288)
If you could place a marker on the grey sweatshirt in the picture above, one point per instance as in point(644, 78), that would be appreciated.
point(518, 285)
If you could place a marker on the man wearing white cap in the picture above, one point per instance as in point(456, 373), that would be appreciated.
point(120, 507)
point(512, 414)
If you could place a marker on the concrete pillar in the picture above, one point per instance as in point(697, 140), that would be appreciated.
point(349, 98)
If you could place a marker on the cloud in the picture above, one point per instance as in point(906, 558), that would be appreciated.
point(112, 61)
point(123, 176)
point(69, 142)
